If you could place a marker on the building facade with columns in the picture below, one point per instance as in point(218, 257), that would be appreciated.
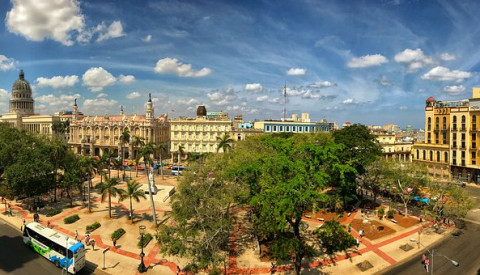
point(91, 135)
point(21, 113)
point(199, 134)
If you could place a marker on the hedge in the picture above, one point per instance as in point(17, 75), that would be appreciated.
point(53, 212)
point(146, 239)
point(71, 219)
point(118, 233)
point(93, 226)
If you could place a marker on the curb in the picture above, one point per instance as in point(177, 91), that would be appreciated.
point(10, 224)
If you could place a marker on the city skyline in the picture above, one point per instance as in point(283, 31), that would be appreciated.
point(364, 62)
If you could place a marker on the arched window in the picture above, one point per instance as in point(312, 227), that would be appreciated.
point(431, 156)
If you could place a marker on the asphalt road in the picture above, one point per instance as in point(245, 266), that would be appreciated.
point(463, 249)
point(17, 258)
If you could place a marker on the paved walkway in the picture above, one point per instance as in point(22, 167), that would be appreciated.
point(153, 260)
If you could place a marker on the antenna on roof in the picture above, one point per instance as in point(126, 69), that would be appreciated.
point(285, 102)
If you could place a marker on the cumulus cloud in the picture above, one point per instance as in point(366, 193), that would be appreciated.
point(322, 84)
point(58, 81)
point(57, 101)
point(101, 95)
point(403, 108)
point(173, 66)
point(440, 73)
point(126, 79)
point(253, 87)
point(97, 78)
point(367, 61)
point(99, 103)
point(296, 71)
point(447, 57)
point(6, 63)
point(38, 20)
point(113, 31)
point(222, 97)
point(262, 98)
point(133, 95)
point(454, 90)
point(147, 38)
point(413, 59)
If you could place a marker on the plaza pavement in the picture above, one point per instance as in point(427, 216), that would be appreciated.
point(124, 258)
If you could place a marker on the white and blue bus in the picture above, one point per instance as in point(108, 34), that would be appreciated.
point(54, 245)
point(176, 170)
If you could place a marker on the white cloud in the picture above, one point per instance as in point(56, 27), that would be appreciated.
point(3, 100)
point(262, 98)
point(101, 95)
point(126, 79)
point(58, 81)
point(367, 61)
point(57, 101)
point(440, 73)
point(322, 84)
point(384, 81)
point(276, 100)
point(222, 98)
point(113, 31)
point(447, 57)
point(455, 89)
point(296, 71)
point(38, 20)
point(133, 95)
point(413, 59)
point(253, 87)
point(311, 95)
point(348, 101)
point(173, 66)
point(403, 108)
point(191, 102)
point(6, 63)
point(97, 78)
point(99, 103)
point(147, 38)
point(233, 108)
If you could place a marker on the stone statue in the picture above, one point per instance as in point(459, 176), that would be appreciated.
point(151, 180)
point(75, 102)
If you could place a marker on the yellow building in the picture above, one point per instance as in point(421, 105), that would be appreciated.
point(21, 110)
point(199, 134)
point(451, 138)
point(294, 125)
point(91, 135)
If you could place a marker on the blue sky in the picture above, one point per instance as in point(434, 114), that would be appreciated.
point(371, 62)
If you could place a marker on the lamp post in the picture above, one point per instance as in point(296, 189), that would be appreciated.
point(141, 266)
point(455, 263)
point(66, 255)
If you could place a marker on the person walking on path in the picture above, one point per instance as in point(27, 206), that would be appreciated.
point(427, 262)
point(178, 270)
point(272, 268)
point(114, 242)
point(358, 242)
point(93, 245)
point(424, 256)
point(76, 235)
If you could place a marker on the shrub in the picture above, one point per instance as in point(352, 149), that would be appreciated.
point(71, 219)
point(93, 226)
point(146, 239)
point(52, 212)
point(118, 233)
point(381, 212)
point(390, 213)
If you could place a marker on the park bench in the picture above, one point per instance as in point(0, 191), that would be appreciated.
point(393, 220)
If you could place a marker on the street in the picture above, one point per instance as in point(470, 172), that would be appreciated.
point(463, 249)
point(17, 258)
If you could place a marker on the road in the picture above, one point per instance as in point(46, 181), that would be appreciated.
point(463, 249)
point(17, 258)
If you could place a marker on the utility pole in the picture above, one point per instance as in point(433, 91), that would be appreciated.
point(285, 102)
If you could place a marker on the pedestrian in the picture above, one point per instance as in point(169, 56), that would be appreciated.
point(76, 235)
point(10, 210)
point(360, 233)
point(178, 270)
point(87, 239)
point(358, 242)
point(424, 256)
point(272, 268)
point(349, 228)
point(93, 245)
point(114, 242)
point(427, 262)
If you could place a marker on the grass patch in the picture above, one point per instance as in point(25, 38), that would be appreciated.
point(118, 233)
point(93, 226)
point(71, 219)
point(53, 212)
point(146, 239)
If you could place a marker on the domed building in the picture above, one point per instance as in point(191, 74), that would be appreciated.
point(21, 110)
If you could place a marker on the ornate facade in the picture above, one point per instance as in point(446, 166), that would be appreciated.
point(91, 135)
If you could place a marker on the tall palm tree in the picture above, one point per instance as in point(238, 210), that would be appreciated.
point(124, 139)
point(106, 159)
point(225, 143)
point(58, 150)
point(133, 191)
point(87, 166)
point(180, 152)
point(160, 148)
point(109, 189)
point(137, 142)
point(146, 152)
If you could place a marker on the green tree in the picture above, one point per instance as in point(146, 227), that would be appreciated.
point(58, 150)
point(137, 143)
point(373, 178)
point(180, 153)
point(146, 152)
point(333, 237)
point(72, 176)
point(225, 143)
point(134, 192)
point(86, 166)
point(106, 158)
point(124, 139)
point(109, 188)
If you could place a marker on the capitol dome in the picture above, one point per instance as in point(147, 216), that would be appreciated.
point(21, 101)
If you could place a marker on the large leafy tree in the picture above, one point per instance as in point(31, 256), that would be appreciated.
point(373, 178)
point(58, 151)
point(333, 237)
point(108, 189)
point(133, 192)
point(225, 143)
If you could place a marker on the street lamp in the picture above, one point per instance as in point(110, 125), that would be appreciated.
point(455, 263)
point(141, 266)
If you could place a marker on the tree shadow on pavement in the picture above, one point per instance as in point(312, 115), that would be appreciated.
point(11, 248)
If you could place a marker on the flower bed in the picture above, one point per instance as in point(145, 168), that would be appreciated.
point(118, 233)
point(71, 219)
point(93, 226)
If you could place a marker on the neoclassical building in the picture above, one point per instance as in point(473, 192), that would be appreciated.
point(91, 135)
point(21, 112)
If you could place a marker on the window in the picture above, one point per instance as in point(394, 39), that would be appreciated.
point(293, 129)
point(418, 154)
point(474, 158)
point(436, 138)
point(274, 128)
point(444, 123)
point(438, 156)
point(444, 137)
point(474, 122)
point(287, 128)
point(454, 123)
point(463, 123)
point(281, 128)
point(445, 157)
point(300, 128)
point(429, 126)
point(429, 138)
point(424, 155)
point(437, 121)
point(267, 128)
point(431, 156)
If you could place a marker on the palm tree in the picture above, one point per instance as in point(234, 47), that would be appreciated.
point(146, 153)
point(160, 148)
point(133, 191)
point(58, 151)
point(124, 139)
point(106, 158)
point(180, 153)
point(137, 142)
point(87, 166)
point(109, 188)
point(225, 143)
